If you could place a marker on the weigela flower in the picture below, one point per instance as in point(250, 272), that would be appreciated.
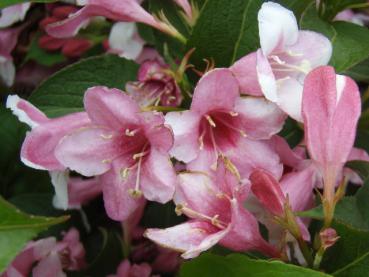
point(155, 86)
point(277, 70)
point(117, 10)
point(214, 205)
point(127, 147)
point(13, 14)
point(331, 108)
point(221, 123)
point(126, 269)
point(38, 148)
point(50, 256)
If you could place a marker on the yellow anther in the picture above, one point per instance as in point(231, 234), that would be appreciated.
point(110, 136)
point(210, 120)
point(179, 209)
point(138, 155)
point(134, 193)
point(214, 220)
point(243, 133)
point(130, 133)
point(232, 113)
point(124, 172)
point(106, 161)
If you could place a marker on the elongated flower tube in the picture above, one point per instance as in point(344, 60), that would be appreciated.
point(331, 108)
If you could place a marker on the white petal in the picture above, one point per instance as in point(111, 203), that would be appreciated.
point(59, 180)
point(290, 97)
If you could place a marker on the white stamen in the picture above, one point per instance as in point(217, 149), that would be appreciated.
point(210, 120)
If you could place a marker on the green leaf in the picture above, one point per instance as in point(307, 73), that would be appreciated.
point(350, 41)
point(359, 72)
point(237, 265)
point(16, 228)
point(225, 31)
point(42, 56)
point(6, 3)
point(292, 132)
point(160, 216)
point(63, 92)
point(359, 267)
point(297, 6)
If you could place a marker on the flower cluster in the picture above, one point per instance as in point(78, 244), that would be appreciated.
point(215, 151)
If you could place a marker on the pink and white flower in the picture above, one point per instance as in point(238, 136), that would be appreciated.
point(214, 205)
point(221, 123)
point(127, 147)
point(277, 70)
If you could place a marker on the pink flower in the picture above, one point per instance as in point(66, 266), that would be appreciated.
point(221, 123)
point(155, 85)
point(126, 269)
point(331, 108)
point(215, 208)
point(351, 16)
point(13, 14)
point(125, 41)
point(127, 147)
point(38, 148)
point(8, 41)
point(278, 69)
point(51, 257)
point(117, 10)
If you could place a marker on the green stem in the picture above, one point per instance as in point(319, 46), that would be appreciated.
point(318, 258)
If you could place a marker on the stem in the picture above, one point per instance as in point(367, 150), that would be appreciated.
point(305, 250)
point(318, 258)
point(126, 239)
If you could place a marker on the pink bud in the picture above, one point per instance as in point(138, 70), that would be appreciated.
point(76, 47)
point(46, 21)
point(49, 43)
point(268, 191)
point(63, 12)
point(328, 238)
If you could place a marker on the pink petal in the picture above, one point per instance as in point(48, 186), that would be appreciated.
point(287, 156)
point(89, 151)
point(245, 72)
point(266, 77)
point(331, 108)
point(158, 177)
point(25, 111)
point(192, 237)
point(13, 14)
point(251, 154)
point(122, 10)
point(185, 5)
point(119, 204)
point(49, 267)
point(216, 90)
point(110, 108)
point(185, 126)
point(260, 118)
point(277, 27)
point(39, 145)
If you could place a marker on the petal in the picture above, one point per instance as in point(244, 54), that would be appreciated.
point(192, 237)
point(287, 156)
point(185, 5)
point(49, 266)
point(277, 27)
point(119, 204)
point(266, 77)
point(251, 154)
point(59, 180)
point(110, 108)
point(260, 119)
point(185, 126)
point(216, 90)
point(7, 72)
point(25, 111)
point(245, 72)
point(39, 145)
point(290, 97)
point(89, 151)
point(331, 108)
point(198, 192)
point(158, 177)
point(13, 14)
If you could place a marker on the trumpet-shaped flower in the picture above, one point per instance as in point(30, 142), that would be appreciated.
point(221, 123)
point(331, 108)
point(277, 70)
point(117, 10)
point(38, 148)
point(214, 206)
point(155, 85)
point(129, 148)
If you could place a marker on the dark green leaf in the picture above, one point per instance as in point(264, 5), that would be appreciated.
point(225, 31)
point(297, 6)
point(359, 72)
point(359, 267)
point(350, 41)
point(63, 92)
point(292, 132)
point(16, 228)
point(237, 265)
point(160, 216)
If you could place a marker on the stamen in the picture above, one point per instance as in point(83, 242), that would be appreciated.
point(110, 136)
point(124, 172)
point(139, 155)
point(277, 59)
point(136, 192)
point(243, 133)
point(106, 161)
point(294, 54)
point(233, 113)
point(130, 133)
point(210, 120)
point(201, 140)
point(180, 209)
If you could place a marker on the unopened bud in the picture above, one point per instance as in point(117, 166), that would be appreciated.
point(328, 237)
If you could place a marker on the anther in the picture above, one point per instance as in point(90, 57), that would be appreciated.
point(134, 193)
point(179, 209)
point(110, 136)
point(210, 120)
point(124, 172)
point(139, 155)
point(106, 161)
point(130, 133)
point(232, 113)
